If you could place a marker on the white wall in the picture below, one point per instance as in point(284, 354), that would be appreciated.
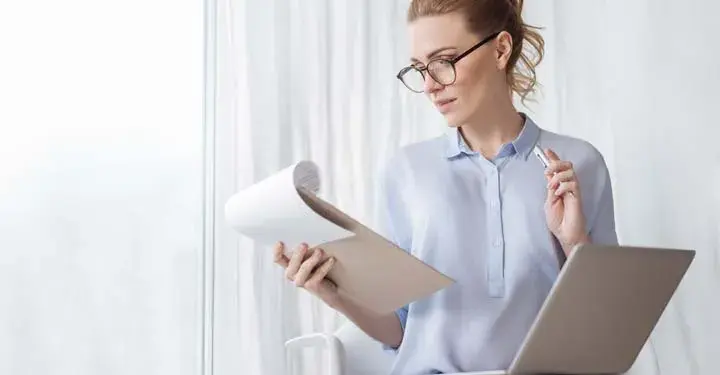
point(100, 187)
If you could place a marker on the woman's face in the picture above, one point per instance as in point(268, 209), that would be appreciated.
point(477, 75)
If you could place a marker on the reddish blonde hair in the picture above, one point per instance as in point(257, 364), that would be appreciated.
point(486, 16)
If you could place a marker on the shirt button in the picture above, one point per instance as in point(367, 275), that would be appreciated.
point(498, 242)
point(494, 204)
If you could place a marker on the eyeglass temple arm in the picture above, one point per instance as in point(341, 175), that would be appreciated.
point(473, 48)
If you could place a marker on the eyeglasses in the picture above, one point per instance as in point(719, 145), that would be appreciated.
point(441, 70)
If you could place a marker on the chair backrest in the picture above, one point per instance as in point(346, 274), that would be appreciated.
point(361, 354)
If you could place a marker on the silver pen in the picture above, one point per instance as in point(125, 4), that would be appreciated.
point(541, 155)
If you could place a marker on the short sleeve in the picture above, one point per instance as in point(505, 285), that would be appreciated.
point(402, 314)
point(391, 221)
point(602, 229)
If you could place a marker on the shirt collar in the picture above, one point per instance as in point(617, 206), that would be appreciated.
point(523, 144)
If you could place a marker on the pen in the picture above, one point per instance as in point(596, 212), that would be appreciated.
point(541, 155)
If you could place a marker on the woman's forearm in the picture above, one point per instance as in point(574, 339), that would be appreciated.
point(385, 328)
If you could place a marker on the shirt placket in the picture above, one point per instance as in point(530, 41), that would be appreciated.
point(496, 242)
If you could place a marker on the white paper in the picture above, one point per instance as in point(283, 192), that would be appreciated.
point(272, 210)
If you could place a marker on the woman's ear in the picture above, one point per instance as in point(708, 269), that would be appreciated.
point(504, 47)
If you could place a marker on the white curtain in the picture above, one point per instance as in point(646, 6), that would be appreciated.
point(300, 80)
point(315, 80)
point(101, 187)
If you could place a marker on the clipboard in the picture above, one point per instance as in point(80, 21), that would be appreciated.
point(369, 269)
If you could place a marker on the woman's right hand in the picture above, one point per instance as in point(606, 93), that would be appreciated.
point(307, 269)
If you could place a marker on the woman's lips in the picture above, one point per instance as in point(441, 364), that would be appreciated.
point(444, 105)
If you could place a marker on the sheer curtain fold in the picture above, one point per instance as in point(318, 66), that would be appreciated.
point(315, 80)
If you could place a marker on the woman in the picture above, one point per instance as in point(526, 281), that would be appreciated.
point(475, 203)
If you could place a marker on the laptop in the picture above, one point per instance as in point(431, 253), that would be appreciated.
point(601, 311)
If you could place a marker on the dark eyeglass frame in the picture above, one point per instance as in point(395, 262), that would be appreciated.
point(450, 62)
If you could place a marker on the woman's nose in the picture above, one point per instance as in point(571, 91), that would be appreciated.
point(431, 85)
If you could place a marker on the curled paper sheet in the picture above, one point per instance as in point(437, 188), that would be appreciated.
point(277, 209)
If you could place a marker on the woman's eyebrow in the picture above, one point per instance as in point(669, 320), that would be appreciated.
point(433, 53)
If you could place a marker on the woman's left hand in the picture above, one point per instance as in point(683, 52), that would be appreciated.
point(563, 204)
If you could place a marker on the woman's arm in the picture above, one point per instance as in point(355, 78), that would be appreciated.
point(308, 270)
point(566, 208)
point(385, 328)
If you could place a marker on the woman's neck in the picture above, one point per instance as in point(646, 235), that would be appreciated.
point(492, 128)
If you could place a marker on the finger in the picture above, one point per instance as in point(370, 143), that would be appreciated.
point(322, 271)
point(551, 154)
point(551, 197)
point(295, 261)
point(307, 267)
point(279, 255)
point(564, 176)
point(567, 187)
point(557, 166)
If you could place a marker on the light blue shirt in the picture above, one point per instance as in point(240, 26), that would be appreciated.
point(482, 223)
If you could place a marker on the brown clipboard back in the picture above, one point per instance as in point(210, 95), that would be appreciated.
point(371, 270)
